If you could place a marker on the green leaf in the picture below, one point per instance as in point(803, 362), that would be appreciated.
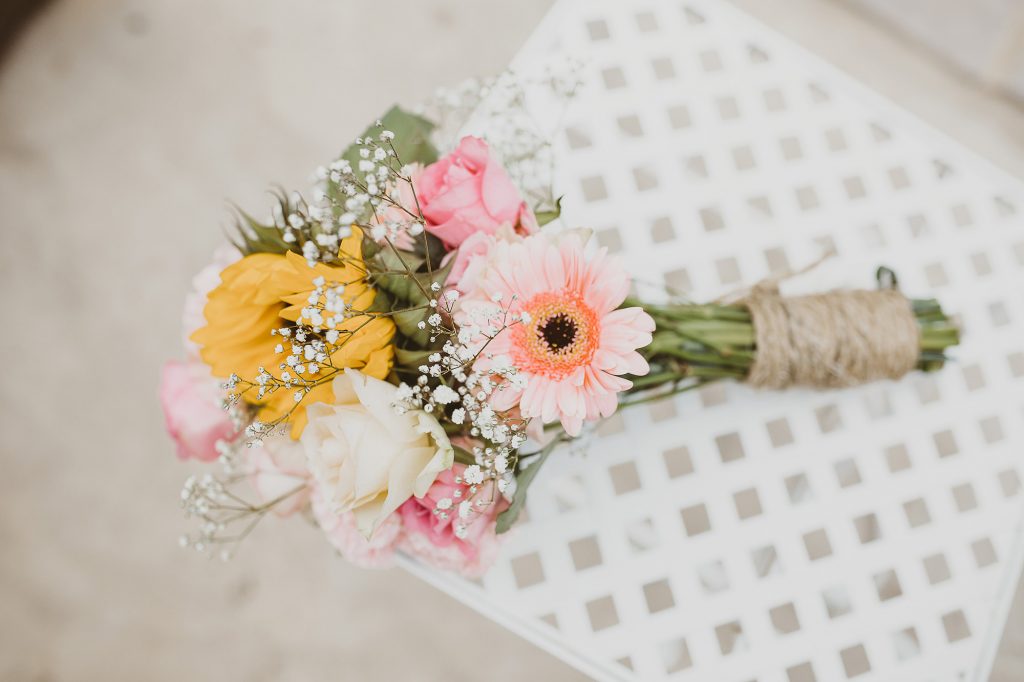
point(257, 237)
point(390, 274)
point(408, 322)
point(463, 456)
point(523, 481)
point(406, 358)
point(412, 141)
point(546, 216)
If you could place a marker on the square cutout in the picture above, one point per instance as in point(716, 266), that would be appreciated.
point(974, 377)
point(625, 477)
point(945, 443)
point(1009, 482)
point(766, 561)
point(712, 219)
point(678, 282)
point(887, 585)
point(728, 270)
point(610, 239)
point(598, 30)
point(807, 198)
point(955, 625)
point(964, 497)
point(695, 519)
point(906, 644)
point(675, 656)
point(641, 535)
point(658, 595)
point(645, 179)
point(855, 661)
point(662, 410)
point(897, 457)
point(991, 429)
point(798, 488)
point(646, 22)
point(527, 570)
point(730, 447)
point(936, 568)
point(728, 108)
point(802, 672)
point(663, 68)
point(712, 577)
point(713, 394)
point(847, 473)
point(748, 503)
point(630, 126)
point(594, 188)
point(837, 602)
point(678, 462)
point(867, 528)
point(613, 78)
point(731, 638)
point(917, 513)
point(779, 432)
point(602, 613)
point(585, 552)
point(743, 158)
point(710, 61)
point(984, 552)
point(679, 117)
point(662, 230)
point(784, 619)
point(828, 418)
point(817, 544)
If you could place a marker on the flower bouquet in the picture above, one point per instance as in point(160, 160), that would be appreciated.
point(397, 357)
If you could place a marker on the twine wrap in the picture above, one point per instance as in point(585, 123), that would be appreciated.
point(831, 340)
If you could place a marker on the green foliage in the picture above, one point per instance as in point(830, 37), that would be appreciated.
point(524, 477)
point(411, 143)
point(252, 236)
point(403, 282)
point(546, 216)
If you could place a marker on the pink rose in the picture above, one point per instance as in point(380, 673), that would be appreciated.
point(276, 470)
point(467, 192)
point(470, 259)
point(191, 400)
point(431, 537)
point(343, 533)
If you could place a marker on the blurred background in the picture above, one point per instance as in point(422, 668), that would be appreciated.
point(124, 127)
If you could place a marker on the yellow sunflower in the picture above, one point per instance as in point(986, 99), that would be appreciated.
point(266, 291)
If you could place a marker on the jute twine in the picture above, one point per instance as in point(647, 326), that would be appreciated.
point(830, 340)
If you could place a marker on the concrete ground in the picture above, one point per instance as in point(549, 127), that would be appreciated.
point(123, 125)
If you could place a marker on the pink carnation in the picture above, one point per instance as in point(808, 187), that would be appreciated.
point(276, 470)
point(431, 537)
point(342, 532)
point(193, 414)
point(468, 192)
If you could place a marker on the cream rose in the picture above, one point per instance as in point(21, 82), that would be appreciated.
point(365, 457)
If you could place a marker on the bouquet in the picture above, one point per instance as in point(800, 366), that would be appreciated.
point(395, 358)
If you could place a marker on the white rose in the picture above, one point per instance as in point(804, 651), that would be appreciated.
point(365, 457)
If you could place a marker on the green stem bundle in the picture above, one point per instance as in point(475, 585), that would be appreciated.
point(695, 344)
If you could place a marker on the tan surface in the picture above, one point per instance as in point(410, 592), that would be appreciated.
point(123, 124)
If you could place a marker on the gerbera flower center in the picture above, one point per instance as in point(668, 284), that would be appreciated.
point(559, 332)
point(562, 335)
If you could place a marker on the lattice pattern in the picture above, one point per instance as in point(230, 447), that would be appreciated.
point(738, 536)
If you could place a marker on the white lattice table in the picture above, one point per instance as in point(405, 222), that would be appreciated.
point(732, 535)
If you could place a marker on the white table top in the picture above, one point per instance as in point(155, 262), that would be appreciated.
point(732, 535)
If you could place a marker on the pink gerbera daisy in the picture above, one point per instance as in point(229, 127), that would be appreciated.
point(574, 343)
